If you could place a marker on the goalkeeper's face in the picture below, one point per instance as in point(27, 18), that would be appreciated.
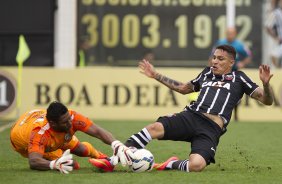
point(63, 124)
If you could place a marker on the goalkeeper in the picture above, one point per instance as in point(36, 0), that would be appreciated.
point(46, 138)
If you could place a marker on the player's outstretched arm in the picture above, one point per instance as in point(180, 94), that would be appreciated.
point(37, 162)
point(148, 69)
point(64, 164)
point(264, 95)
point(120, 151)
point(100, 133)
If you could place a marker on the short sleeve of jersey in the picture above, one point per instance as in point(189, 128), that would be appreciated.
point(248, 85)
point(196, 81)
point(37, 141)
point(80, 122)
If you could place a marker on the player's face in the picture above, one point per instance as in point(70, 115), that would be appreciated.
point(221, 62)
point(63, 124)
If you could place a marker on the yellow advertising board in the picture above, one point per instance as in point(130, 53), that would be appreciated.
point(118, 93)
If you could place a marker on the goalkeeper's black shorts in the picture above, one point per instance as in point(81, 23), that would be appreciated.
point(193, 127)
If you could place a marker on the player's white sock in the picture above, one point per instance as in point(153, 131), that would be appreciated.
point(181, 165)
point(139, 140)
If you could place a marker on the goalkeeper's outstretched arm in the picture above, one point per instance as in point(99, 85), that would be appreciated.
point(100, 133)
point(37, 162)
point(64, 164)
point(120, 151)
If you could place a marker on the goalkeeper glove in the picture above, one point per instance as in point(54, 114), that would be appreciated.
point(122, 154)
point(64, 164)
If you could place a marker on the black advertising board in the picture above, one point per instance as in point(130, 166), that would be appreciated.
point(35, 20)
point(177, 32)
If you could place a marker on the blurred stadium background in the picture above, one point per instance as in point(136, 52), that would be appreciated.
point(85, 53)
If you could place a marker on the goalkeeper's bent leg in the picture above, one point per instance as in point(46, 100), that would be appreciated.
point(139, 140)
point(85, 149)
point(92, 152)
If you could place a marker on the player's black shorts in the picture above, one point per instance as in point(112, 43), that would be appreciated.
point(193, 127)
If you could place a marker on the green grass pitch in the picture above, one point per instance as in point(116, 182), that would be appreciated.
point(248, 153)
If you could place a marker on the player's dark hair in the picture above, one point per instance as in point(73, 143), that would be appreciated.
point(55, 111)
point(229, 49)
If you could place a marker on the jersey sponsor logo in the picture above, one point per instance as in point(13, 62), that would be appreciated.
point(218, 84)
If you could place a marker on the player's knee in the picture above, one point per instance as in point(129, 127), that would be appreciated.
point(197, 166)
point(156, 130)
point(196, 163)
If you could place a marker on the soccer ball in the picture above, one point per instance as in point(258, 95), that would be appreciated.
point(144, 161)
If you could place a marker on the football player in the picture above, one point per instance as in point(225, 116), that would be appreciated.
point(46, 138)
point(203, 122)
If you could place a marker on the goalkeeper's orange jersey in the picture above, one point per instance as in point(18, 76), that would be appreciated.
point(32, 133)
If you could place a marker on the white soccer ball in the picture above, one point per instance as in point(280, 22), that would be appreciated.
point(144, 161)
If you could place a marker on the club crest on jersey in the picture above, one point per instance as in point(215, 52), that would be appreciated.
point(67, 137)
point(228, 77)
point(218, 84)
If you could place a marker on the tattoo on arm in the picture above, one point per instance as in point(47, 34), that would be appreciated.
point(264, 95)
point(267, 91)
point(175, 85)
point(170, 81)
point(172, 84)
point(268, 98)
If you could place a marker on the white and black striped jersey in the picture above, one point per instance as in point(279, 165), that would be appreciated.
point(219, 94)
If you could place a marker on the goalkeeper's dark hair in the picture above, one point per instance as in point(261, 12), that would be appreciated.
point(55, 111)
point(229, 49)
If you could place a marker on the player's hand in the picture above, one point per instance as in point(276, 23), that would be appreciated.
point(264, 74)
point(64, 164)
point(122, 154)
point(147, 68)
